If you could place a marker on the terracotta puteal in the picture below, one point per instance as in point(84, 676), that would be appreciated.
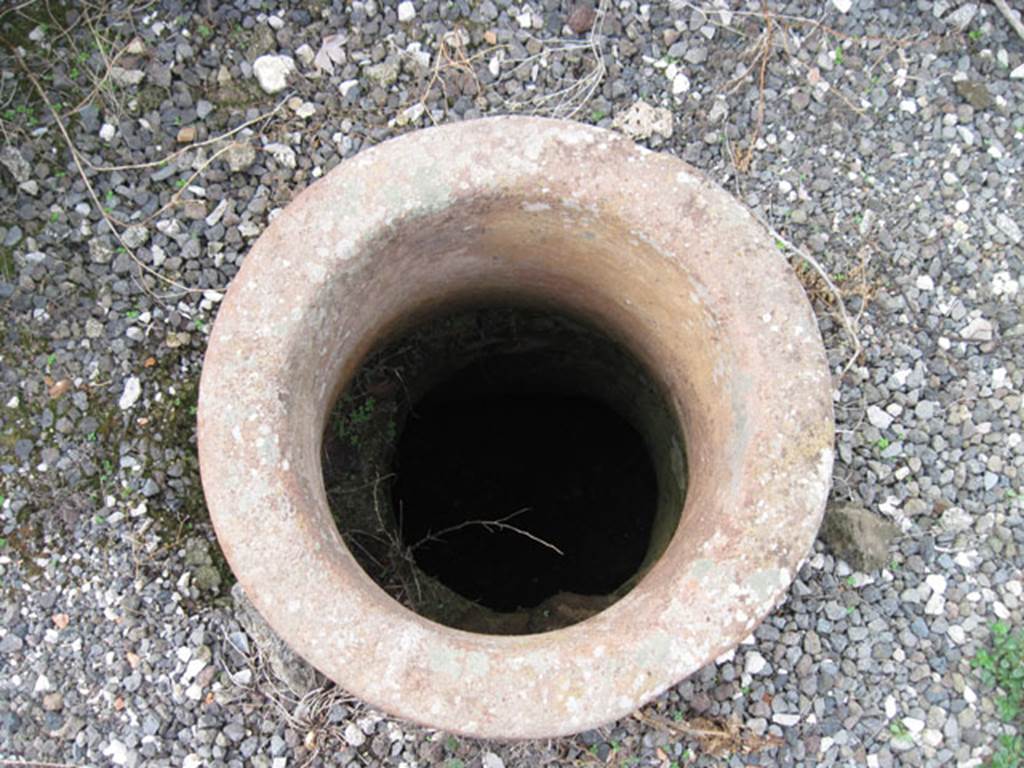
point(568, 216)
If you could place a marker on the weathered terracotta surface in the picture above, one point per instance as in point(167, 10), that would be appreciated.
point(559, 214)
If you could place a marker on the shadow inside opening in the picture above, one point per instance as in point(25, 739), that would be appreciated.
point(495, 470)
point(510, 494)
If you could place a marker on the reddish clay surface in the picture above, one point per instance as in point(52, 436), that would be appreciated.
point(560, 215)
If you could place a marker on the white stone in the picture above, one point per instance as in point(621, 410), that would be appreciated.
point(1017, 73)
point(130, 395)
point(937, 582)
point(306, 110)
point(192, 760)
point(956, 634)
point(641, 121)
point(680, 84)
point(890, 707)
point(913, 725)
point(1003, 284)
point(117, 752)
point(126, 77)
point(843, 6)
point(755, 663)
point(925, 283)
point(406, 12)
point(305, 54)
point(42, 684)
point(217, 213)
point(284, 154)
point(963, 15)
point(878, 418)
point(347, 86)
point(978, 329)
point(194, 668)
point(935, 606)
point(962, 206)
point(355, 737)
point(785, 720)
point(107, 132)
point(908, 105)
point(1008, 227)
point(931, 737)
point(491, 760)
point(525, 19)
point(272, 72)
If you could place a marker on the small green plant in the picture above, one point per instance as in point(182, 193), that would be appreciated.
point(131, 314)
point(851, 581)
point(204, 32)
point(180, 183)
point(54, 217)
point(454, 762)
point(3, 542)
point(898, 729)
point(451, 743)
point(882, 444)
point(598, 115)
point(51, 359)
point(199, 324)
point(1002, 667)
point(350, 420)
point(1009, 753)
point(975, 34)
point(837, 55)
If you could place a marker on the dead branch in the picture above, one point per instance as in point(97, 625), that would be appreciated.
point(501, 524)
point(1014, 20)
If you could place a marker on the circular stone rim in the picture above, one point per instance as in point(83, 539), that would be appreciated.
point(587, 674)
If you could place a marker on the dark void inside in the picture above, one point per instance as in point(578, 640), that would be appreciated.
point(504, 469)
point(510, 493)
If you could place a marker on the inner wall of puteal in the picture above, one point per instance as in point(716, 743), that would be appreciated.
point(506, 251)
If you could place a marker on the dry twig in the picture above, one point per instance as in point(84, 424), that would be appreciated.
point(92, 191)
point(500, 524)
point(1011, 17)
point(849, 323)
point(714, 738)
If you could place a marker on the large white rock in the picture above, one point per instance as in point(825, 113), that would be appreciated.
point(272, 71)
point(132, 390)
point(406, 12)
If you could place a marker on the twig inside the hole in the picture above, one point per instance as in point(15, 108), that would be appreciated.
point(500, 524)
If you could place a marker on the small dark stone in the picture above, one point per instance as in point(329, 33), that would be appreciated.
point(858, 537)
point(581, 18)
point(975, 93)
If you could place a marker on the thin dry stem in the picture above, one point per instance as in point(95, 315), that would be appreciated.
point(501, 524)
point(92, 191)
point(849, 323)
point(1014, 20)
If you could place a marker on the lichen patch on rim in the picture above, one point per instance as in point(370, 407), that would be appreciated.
point(566, 216)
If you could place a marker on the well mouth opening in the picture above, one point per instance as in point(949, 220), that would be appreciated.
point(504, 469)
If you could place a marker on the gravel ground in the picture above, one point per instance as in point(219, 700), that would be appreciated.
point(885, 138)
